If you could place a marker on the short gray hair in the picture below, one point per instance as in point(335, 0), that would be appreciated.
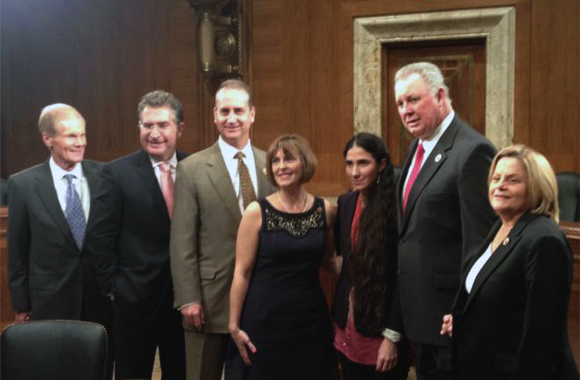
point(430, 73)
point(158, 99)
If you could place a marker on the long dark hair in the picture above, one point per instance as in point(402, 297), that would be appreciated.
point(371, 271)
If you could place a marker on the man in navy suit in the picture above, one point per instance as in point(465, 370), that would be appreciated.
point(49, 274)
point(443, 208)
point(129, 243)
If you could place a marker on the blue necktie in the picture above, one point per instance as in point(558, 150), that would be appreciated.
point(74, 212)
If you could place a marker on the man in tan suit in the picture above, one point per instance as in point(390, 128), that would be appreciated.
point(211, 192)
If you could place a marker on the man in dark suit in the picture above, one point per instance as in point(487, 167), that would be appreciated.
point(49, 274)
point(444, 211)
point(209, 202)
point(129, 243)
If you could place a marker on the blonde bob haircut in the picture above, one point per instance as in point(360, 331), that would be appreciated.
point(542, 185)
point(292, 146)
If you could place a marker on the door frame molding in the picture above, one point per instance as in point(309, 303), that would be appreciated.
point(496, 25)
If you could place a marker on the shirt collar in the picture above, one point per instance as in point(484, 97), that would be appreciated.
point(172, 161)
point(430, 143)
point(59, 173)
point(229, 151)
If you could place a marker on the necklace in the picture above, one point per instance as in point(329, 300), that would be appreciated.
point(286, 208)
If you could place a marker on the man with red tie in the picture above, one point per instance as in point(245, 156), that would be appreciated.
point(444, 214)
point(129, 244)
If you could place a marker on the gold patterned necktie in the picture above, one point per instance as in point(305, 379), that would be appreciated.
point(246, 187)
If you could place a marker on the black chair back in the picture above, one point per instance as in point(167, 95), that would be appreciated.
point(569, 196)
point(53, 350)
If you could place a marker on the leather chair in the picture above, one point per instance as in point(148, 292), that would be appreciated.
point(53, 350)
point(569, 196)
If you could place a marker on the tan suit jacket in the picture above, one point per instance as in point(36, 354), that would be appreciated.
point(203, 233)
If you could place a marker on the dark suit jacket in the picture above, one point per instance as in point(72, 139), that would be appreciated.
point(513, 323)
point(342, 231)
point(447, 217)
point(129, 236)
point(47, 273)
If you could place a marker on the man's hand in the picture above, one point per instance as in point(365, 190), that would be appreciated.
point(193, 315)
point(447, 327)
point(23, 316)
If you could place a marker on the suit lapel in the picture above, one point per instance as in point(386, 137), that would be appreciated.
point(222, 183)
point(347, 216)
point(434, 162)
point(500, 254)
point(263, 184)
point(91, 173)
point(150, 185)
point(44, 187)
point(403, 176)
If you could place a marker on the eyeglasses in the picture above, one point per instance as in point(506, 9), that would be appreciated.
point(162, 127)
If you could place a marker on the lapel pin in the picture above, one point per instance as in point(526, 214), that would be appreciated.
point(506, 241)
point(438, 158)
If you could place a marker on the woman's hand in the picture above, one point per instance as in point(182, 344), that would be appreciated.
point(243, 342)
point(387, 356)
point(447, 327)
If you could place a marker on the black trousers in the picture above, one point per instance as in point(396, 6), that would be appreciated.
point(434, 362)
point(134, 345)
point(356, 371)
point(97, 308)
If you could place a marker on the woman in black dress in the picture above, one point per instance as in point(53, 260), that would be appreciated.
point(365, 311)
point(278, 315)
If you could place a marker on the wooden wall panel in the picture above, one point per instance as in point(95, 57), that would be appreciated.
point(554, 83)
point(100, 57)
point(293, 37)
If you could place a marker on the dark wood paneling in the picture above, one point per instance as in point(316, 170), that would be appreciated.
point(100, 57)
point(303, 74)
point(555, 81)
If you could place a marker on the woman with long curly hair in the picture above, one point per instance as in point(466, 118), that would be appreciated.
point(367, 328)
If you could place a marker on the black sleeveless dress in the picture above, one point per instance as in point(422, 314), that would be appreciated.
point(285, 313)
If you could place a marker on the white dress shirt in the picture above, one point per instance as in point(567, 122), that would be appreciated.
point(80, 183)
point(429, 145)
point(476, 268)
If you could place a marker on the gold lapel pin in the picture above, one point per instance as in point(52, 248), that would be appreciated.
point(506, 241)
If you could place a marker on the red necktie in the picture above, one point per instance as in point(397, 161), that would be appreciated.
point(167, 186)
point(418, 161)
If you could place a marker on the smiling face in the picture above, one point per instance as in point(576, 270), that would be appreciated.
point(362, 169)
point(287, 169)
point(421, 111)
point(158, 132)
point(67, 144)
point(508, 189)
point(233, 116)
